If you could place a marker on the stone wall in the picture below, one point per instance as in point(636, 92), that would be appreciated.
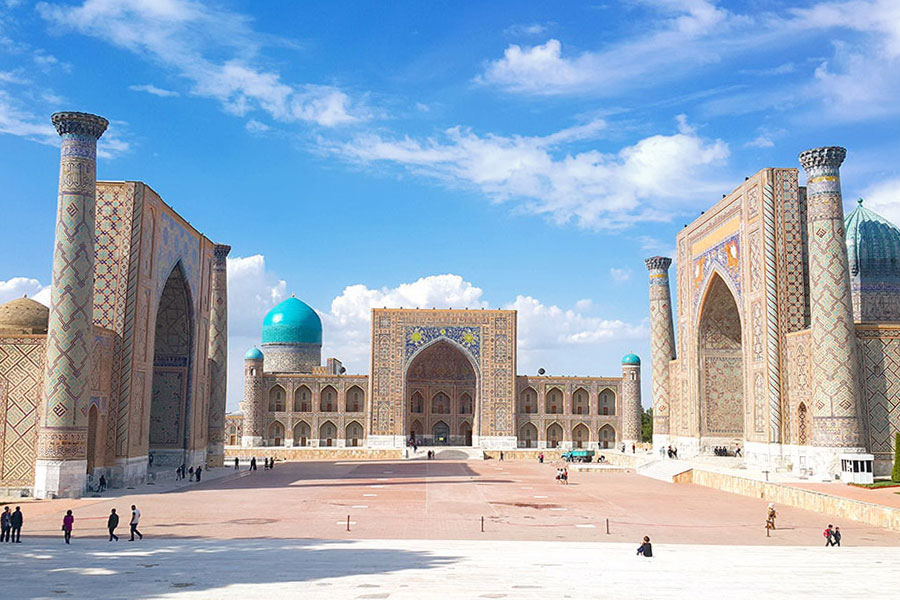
point(314, 453)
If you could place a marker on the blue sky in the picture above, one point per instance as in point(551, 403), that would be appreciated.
point(503, 154)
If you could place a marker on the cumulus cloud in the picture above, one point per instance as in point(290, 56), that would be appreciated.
point(24, 286)
point(155, 91)
point(595, 190)
point(884, 198)
point(620, 275)
point(214, 49)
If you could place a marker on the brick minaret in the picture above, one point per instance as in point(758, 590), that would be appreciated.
point(835, 383)
point(631, 401)
point(62, 435)
point(662, 340)
point(253, 428)
point(218, 356)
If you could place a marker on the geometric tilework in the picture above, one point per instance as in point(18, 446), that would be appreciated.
point(21, 375)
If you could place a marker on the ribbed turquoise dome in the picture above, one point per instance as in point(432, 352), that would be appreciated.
point(873, 243)
point(292, 322)
point(631, 359)
point(253, 354)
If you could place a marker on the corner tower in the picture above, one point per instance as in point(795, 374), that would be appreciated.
point(252, 428)
point(662, 343)
point(631, 399)
point(61, 463)
point(835, 385)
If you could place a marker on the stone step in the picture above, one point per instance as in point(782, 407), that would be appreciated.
point(664, 469)
point(447, 453)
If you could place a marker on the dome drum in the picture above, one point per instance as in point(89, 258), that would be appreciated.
point(291, 358)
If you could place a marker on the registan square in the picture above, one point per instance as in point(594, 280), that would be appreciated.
point(413, 300)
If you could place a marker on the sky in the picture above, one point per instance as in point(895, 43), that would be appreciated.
point(521, 155)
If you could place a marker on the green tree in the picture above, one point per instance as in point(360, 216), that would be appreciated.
point(895, 474)
point(647, 426)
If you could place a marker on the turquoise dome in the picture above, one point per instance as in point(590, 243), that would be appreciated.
point(253, 354)
point(873, 243)
point(631, 359)
point(292, 322)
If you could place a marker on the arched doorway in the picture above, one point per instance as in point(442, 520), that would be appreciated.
point(301, 434)
point(581, 402)
point(440, 434)
point(581, 436)
point(721, 364)
point(327, 434)
point(465, 431)
point(441, 389)
point(355, 399)
point(607, 436)
point(93, 419)
point(554, 435)
point(528, 401)
point(416, 430)
point(354, 434)
point(528, 436)
point(554, 402)
point(173, 357)
point(276, 434)
point(328, 399)
point(276, 399)
point(606, 402)
point(302, 399)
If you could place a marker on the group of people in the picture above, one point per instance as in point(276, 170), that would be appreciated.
point(669, 451)
point(11, 525)
point(192, 473)
point(724, 451)
point(562, 475)
point(832, 535)
point(112, 523)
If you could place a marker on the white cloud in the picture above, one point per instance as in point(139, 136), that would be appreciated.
point(191, 38)
point(152, 89)
point(22, 286)
point(522, 29)
point(596, 190)
point(620, 275)
point(254, 126)
point(761, 141)
point(884, 198)
point(19, 121)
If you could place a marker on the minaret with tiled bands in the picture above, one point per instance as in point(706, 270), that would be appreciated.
point(662, 340)
point(631, 400)
point(835, 375)
point(218, 356)
point(61, 463)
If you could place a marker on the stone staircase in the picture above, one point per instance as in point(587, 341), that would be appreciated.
point(663, 469)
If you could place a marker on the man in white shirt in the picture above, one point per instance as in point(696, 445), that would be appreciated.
point(135, 519)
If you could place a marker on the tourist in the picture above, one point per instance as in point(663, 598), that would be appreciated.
point(645, 549)
point(265, 463)
point(199, 470)
point(272, 463)
point(669, 452)
point(662, 451)
point(623, 448)
point(501, 456)
point(5, 524)
point(675, 453)
point(16, 530)
point(68, 521)
point(565, 476)
point(102, 484)
point(236, 464)
point(770, 516)
point(633, 448)
point(558, 475)
point(836, 535)
point(829, 535)
point(252, 463)
point(737, 451)
point(191, 473)
point(111, 523)
point(135, 519)
point(541, 458)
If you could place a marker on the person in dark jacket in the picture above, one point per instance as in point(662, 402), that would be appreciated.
point(836, 536)
point(67, 524)
point(111, 524)
point(5, 524)
point(645, 549)
point(16, 521)
point(237, 465)
point(199, 470)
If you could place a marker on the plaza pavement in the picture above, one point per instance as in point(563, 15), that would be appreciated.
point(415, 532)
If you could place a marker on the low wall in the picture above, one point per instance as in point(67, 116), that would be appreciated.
point(313, 453)
point(779, 493)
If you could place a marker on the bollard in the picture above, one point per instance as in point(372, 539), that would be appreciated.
point(607, 526)
point(482, 524)
point(348, 522)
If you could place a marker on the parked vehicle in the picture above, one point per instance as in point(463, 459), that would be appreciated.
point(584, 456)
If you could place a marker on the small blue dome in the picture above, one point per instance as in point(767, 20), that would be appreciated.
point(292, 322)
point(631, 359)
point(253, 354)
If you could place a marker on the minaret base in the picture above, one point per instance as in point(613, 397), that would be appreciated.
point(59, 478)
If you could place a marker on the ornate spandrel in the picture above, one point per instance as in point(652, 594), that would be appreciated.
point(419, 336)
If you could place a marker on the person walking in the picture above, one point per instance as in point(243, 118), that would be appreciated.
point(501, 456)
point(771, 515)
point(135, 519)
point(199, 470)
point(237, 466)
point(271, 463)
point(102, 485)
point(541, 458)
point(191, 473)
point(67, 523)
point(645, 549)
point(16, 530)
point(633, 448)
point(5, 524)
point(836, 535)
point(111, 523)
point(252, 463)
point(829, 535)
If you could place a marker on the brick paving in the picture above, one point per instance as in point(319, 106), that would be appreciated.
point(444, 500)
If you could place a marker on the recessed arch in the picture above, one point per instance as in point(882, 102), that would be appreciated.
point(554, 435)
point(303, 399)
point(581, 402)
point(465, 404)
point(353, 434)
point(606, 402)
point(302, 434)
point(803, 427)
point(528, 401)
point(417, 403)
point(328, 399)
point(355, 399)
point(440, 433)
point(554, 402)
point(277, 397)
point(327, 434)
point(275, 434)
point(528, 436)
point(606, 436)
point(581, 436)
point(465, 432)
point(440, 404)
point(416, 430)
point(93, 424)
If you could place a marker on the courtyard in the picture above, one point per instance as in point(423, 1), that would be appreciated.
point(416, 528)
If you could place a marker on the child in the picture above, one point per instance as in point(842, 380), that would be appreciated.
point(645, 549)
